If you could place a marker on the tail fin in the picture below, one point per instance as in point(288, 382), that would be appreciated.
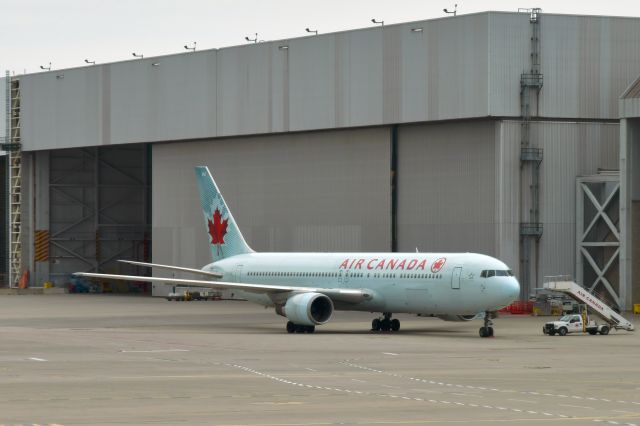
point(225, 239)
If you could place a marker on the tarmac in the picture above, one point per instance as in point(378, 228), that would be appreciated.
point(121, 360)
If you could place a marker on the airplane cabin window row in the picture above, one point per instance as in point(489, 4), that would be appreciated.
point(347, 275)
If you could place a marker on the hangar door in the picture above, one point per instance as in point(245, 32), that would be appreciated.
point(320, 191)
point(446, 180)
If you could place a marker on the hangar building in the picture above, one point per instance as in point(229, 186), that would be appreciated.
point(493, 132)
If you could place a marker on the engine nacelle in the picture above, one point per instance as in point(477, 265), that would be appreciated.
point(457, 318)
point(307, 309)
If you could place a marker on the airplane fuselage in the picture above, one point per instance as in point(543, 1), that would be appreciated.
point(422, 283)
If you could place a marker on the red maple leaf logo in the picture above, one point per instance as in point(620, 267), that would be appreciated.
point(438, 264)
point(217, 228)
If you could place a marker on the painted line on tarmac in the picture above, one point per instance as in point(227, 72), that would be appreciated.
point(613, 422)
point(390, 353)
point(154, 351)
point(483, 388)
point(38, 359)
point(395, 396)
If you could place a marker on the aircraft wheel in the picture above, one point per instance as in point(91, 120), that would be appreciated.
point(291, 327)
point(490, 331)
point(385, 325)
point(395, 324)
point(484, 331)
point(375, 324)
point(310, 328)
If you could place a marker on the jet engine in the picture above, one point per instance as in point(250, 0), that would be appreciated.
point(307, 309)
point(457, 317)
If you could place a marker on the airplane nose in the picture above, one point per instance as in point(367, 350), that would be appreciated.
point(512, 289)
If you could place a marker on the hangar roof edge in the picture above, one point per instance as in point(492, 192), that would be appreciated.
point(285, 40)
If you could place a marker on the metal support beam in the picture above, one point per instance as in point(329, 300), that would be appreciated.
point(598, 239)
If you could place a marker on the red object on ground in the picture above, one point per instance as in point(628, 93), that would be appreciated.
point(24, 280)
point(519, 307)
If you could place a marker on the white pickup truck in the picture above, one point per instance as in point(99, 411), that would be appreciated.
point(573, 324)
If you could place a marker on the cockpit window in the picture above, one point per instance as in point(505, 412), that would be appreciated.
point(487, 273)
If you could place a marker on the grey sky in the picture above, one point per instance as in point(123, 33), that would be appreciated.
point(65, 32)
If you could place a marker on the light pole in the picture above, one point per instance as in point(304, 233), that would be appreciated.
point(453, 12)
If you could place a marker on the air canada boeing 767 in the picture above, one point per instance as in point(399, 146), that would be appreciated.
point(306, 288)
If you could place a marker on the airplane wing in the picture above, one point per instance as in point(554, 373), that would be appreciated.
point(173, 268)
point(336, 294)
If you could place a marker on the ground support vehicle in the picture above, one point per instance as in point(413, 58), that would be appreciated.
point(575, 323)
point(581, 322)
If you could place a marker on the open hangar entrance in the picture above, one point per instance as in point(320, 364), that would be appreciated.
point(630, 193)
point(90, 207)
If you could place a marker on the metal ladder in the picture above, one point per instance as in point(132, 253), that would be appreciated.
point(14, 157)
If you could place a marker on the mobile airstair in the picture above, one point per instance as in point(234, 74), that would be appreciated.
point(598, 307)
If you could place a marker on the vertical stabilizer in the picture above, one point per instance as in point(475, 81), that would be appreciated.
point(225, 239)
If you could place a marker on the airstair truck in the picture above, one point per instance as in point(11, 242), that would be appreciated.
point(597, 306)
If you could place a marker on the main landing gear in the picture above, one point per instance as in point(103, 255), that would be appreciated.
point(487, 330)
point(385, 323)
point(297, 328)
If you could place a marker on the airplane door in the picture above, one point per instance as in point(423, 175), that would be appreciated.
point(343, 278)
point(455, 278)
point(238, 273)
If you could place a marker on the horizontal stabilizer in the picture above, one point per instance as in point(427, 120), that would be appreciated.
point(173, 268)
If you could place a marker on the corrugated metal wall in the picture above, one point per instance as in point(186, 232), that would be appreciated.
point(365, 77)
point(588, 62)
point(446, 181)
point(452, 68)
point(324, 191)
point(570, 150)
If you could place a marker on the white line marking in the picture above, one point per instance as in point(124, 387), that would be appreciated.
point(389, 353)
point(38, 359)
point(155, 351)
point(576, 406)
point(490, 389)
point(392, 396)
point(522, 400)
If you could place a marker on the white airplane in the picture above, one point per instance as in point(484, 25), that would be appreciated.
point(306, 288)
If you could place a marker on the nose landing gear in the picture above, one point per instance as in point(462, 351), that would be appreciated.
point(487, 330)
point(385, 323)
